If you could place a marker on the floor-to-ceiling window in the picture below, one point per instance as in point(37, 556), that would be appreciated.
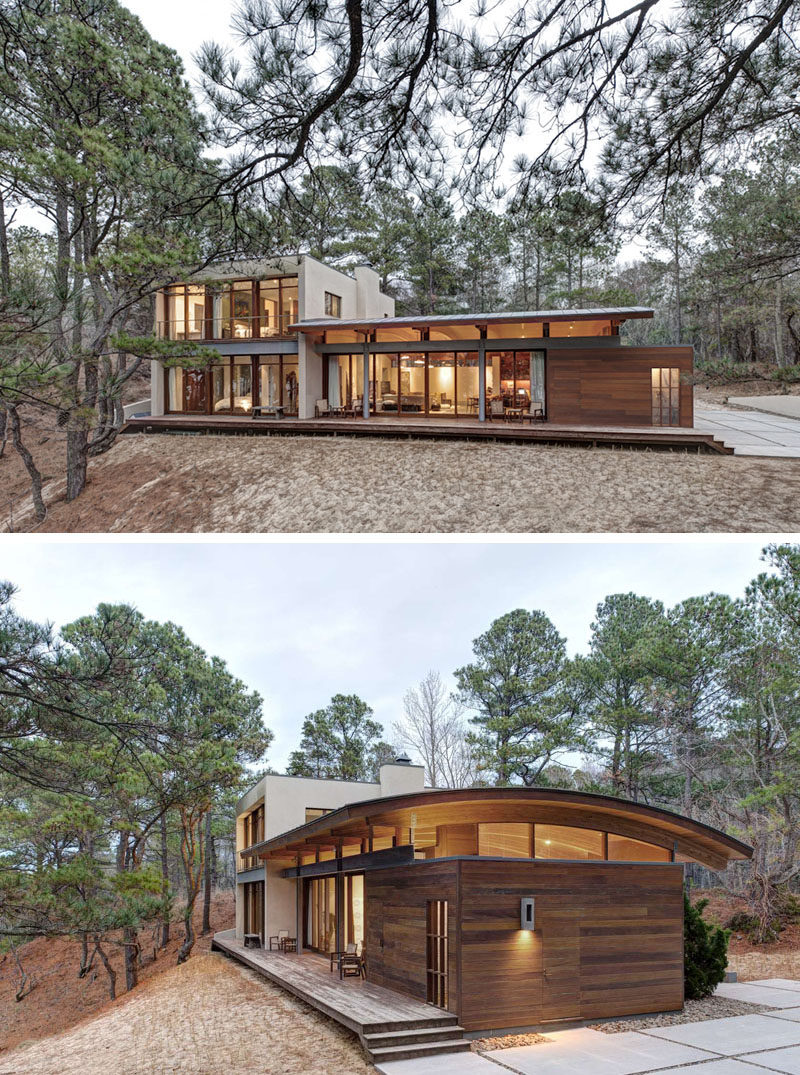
point(232, 385)
point(516, 377)
point(321, 914)
point(354, 909)
point(253, 896)
point(441, 383)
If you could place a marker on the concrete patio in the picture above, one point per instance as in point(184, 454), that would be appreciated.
point(738, 1045)
point(753, 432)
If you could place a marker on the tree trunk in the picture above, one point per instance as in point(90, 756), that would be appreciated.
point(77, 461)
point(131, 947)
point(207, 880)
point(3, 430)
point(678, 295)
point(27, 459)
point(719, 328)
point(165, 879)
point(779, 354)
point(112, 974)
point(5, 259)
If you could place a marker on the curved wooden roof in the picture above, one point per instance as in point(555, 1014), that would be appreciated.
point(509, 317)
point(434, 807)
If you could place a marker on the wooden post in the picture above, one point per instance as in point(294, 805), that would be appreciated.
point(365, 393)
point(482, 374)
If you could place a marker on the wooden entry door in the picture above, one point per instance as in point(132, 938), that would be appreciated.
point(194, 391)
point(561, 987)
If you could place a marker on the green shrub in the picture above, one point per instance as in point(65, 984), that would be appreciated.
point(719, 372)
point(705, 951)
point(786, 374)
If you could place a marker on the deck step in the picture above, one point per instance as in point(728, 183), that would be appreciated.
point(397, 1025)
point(413, 1037)
point(410, 1052)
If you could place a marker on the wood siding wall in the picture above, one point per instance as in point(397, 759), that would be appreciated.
point(608, 938)
point(396, 925)
point(613, 387)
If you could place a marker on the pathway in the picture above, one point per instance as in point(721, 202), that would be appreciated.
point(752, 432)
point(740, 1045)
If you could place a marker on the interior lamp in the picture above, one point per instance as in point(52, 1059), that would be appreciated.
point(527, 917)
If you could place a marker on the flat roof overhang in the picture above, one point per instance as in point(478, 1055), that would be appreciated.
point(428, 809)
point(367, 324)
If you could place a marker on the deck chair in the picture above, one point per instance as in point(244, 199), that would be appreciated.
point(535, 411)
point(275, 942)
point(321, 409)
point(496, 409)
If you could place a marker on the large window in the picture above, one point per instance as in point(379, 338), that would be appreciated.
point(666, 389)
point(516, 377)
point(253, 898)
point(505, 841)
point(565, 842)
point(232, 385)
point(185, 313)
point(624, 849)
point(253, 833)
point(321, 914)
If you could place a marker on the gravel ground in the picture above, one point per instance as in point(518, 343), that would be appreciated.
point(161, 483)
point(509, 1041)
point(694, 1011)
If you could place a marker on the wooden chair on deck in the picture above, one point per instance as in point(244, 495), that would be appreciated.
point(535, 411)
point(321, 408)
point(276, 942)
point(496, 409)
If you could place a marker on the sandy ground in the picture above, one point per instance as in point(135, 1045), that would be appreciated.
point(208, 1016)
point(162, 483)
point(60, 999)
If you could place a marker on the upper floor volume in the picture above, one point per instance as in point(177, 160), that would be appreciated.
point(229, 310)
point(261, 299)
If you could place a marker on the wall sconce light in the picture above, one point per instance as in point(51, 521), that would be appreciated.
point(527, 918)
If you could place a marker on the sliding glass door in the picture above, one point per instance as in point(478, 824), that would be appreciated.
point(321, 911)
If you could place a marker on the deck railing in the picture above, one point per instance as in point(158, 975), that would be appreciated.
point(226, 328)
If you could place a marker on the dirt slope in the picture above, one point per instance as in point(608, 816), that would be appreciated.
point(61, 999)
point(161, 483)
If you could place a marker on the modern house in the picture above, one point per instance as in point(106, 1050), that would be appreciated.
point(291, 332)
point(503, 907)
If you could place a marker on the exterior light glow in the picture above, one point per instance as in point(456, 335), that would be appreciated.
point(527, 918)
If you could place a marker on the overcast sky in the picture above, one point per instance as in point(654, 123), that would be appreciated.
point(301, 622)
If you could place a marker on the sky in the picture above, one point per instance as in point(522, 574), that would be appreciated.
point(300, 622)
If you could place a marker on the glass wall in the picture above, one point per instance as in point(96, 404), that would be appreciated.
point(384, 386)
point(270, 380)
point(321, 914)
point(516, 377)
point(505, 841)
point(624, 849)
point(435, 383)
point(467, 384)
point(666, 388)
point(354, 909)
point(185, 312)
point(254, 908)
point(564, 842)
point(441, 383)
point(524, 840)
point(291, 386)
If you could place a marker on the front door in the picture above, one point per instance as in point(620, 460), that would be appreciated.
point(560, 968)
point(194, 391)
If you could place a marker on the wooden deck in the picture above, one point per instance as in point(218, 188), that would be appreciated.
point(385, 1021)
point(652, 438)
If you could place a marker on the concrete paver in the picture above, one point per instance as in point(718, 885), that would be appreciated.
point(452, 1064)
point(725, 1066)
point(784, 405)
point(777, 983)
point(755, 993)
point(787, 1060)
point(733, 1037)
point(751, 433)
point(576, 1052)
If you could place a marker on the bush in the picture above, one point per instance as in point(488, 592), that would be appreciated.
point(705, 951)
point(786, 374)
point(719, 372)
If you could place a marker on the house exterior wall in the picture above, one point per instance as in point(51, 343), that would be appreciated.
point(587, 386)
point(360, 295)
point(608, 939)
point(285, 800)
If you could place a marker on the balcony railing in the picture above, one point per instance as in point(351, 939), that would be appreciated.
point(226, 328)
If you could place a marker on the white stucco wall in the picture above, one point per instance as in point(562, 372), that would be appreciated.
point(286, 799)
